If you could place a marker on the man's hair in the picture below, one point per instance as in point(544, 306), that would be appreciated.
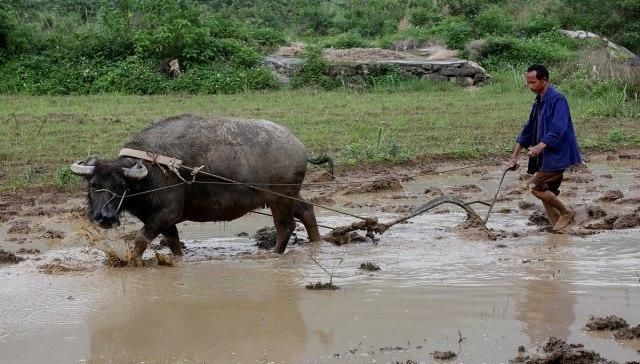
point(542, 73)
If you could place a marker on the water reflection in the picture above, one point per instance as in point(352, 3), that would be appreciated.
point(196, 315)
point(547, 305)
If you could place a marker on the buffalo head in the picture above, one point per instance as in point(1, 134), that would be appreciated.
point(109, 181)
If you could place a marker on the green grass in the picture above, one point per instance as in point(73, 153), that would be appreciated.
point(41, 136)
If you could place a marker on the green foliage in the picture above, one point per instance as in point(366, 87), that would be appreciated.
point(455, 32)
point(493, 20)
point(64, 176)
point(540, 23)
point(349, 39)
point(211, 80)
point(134, 76)
point(313, 71)
point(548, 48)
point(616, 135)
point(381, 150)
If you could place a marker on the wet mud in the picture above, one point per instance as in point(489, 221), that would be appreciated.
point(503, 284)
point(560, 352)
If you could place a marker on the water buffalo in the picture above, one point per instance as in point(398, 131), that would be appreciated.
point(247, 151)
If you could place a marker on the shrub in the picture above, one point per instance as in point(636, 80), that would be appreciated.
point(540, 23)
point(313, 71)
point(494, 20)
point(349, 39)
point(214, 80)
point(500, 51)
point(455, 32)
point(131, 76)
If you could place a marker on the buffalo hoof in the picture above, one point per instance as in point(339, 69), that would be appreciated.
point(135, 261)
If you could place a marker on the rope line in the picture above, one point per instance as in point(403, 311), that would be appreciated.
point(228, 181)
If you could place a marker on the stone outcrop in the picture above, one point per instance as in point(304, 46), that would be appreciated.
point(461, 72)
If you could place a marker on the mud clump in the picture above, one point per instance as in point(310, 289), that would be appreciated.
point(113, 260)
point(318, 286)
point(610, 322)
point(29, 251)
point(265, 237)
point(629, 156)
point(397, 209)
point(596, 212)
point(524, 205)
point(368, 266)
point(20, 227)
point(53, 234)
point(433, 191)
point(322, 176)
point(611, 196)
point(539, 218)
point(375, 186)
point(9, 258)
point(558, 351)
point(323, 200)
point(466, 188)
point(627, 221)
point(628, 333)
point(443, 355)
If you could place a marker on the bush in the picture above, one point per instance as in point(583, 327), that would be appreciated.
point(349, 39)
point(455, 32)
point(131, 76)
point(540, 23)
point(495, 21)
point(313, 71)
point(212, 80)
point(503, 51)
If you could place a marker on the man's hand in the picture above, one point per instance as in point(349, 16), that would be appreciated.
point(536, 150)
point(512, 163)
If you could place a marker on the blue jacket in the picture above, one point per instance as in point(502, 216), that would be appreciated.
point(554, 128)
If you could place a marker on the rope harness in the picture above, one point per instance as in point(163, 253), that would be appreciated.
point(370, 224)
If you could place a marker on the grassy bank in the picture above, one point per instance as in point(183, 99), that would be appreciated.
point(41, 136)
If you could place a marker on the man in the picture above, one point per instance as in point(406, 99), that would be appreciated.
point(552, 145)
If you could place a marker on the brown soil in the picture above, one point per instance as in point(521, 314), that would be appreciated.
point(368, 266)
point(9, 257)
point(628, 333)
point(322, 286)
point(611, 195)
point(443, 355)
point(375, 186)
point(557, 351)
point(611, 322)
point(31, 215)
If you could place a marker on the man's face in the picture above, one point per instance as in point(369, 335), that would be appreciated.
point(536, 85)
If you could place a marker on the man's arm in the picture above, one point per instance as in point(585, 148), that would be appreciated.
point(512, 162)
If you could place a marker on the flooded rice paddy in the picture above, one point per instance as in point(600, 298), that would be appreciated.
point(226, 301)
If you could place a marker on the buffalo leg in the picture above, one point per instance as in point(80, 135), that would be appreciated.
point(304, 212)
point(283, 221)
point(139, 246)
point(172, 240)
point(153, 226)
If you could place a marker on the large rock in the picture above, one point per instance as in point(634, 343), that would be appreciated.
point(462, 72)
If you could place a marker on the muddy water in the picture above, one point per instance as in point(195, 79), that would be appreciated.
point(226, 302)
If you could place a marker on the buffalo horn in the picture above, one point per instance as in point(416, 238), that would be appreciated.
point(138, 171)
point(81, 169)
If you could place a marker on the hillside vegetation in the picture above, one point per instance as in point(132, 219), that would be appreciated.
point(97, 46)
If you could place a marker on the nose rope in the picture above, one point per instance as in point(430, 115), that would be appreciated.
point(124, 193)
point(113, 195)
